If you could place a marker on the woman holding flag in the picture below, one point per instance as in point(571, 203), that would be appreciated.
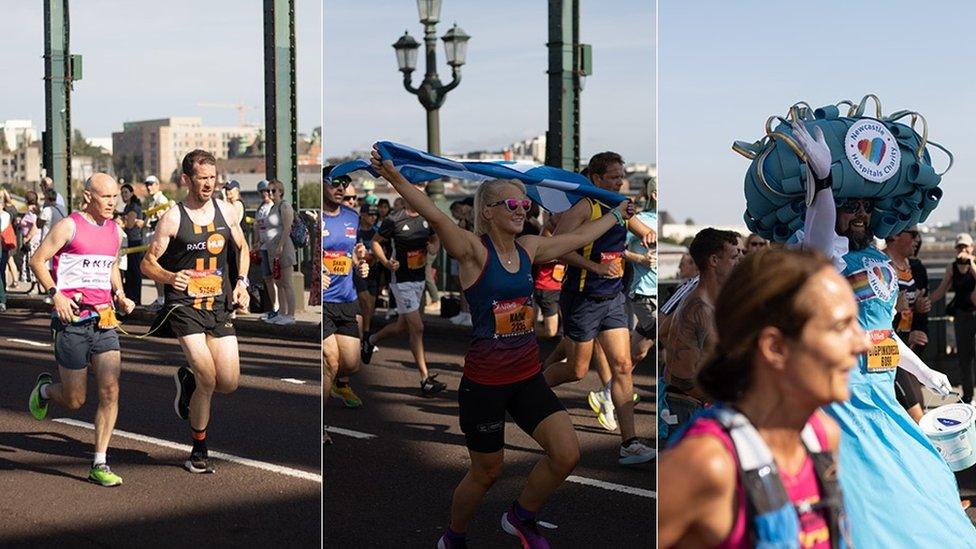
point(502, 370)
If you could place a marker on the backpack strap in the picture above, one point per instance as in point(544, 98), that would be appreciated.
point(772, 519)
point(831, 503)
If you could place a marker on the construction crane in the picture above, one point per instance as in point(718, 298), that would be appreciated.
point(241, 108)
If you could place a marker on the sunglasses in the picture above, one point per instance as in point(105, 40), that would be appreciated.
point(336, 183)
point(851, 206)
point(350, 197)
point(513, 204)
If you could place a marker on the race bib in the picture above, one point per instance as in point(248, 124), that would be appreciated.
point(417, 259)
point(209, 283)
point(514, 317)
point(337, 263)
point(558, 272)
point(615, 258)
point(883, 355)
point(106, 317)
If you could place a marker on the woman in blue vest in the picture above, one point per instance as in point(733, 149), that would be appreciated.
point(751, 470)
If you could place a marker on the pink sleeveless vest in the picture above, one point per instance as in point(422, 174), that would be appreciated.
point(84, 265)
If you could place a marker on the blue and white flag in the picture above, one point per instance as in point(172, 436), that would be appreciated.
point(552, 188)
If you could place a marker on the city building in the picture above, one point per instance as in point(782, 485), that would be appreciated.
point(21, 166)
point(156, 147)
point(17, 134)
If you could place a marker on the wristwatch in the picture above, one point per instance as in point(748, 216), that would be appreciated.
point(52, 291)
point(247, 283)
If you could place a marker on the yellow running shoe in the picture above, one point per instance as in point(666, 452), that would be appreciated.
point(349, 397)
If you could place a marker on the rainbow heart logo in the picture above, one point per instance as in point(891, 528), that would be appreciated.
point(873, 149)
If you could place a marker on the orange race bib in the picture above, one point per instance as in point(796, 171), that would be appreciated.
point(417, 259)
point(106, 317)
point(514, 317)
point(337, 263)
point(883, 355)
point(209, 283)
point(558, 272)
point(616, 258)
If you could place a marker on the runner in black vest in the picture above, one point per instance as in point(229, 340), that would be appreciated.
point(188, 254)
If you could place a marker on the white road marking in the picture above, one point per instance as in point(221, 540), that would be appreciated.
point(271, 467)
point(613, 487)
point(293, 380)
point(349, 433)
point(28, 342)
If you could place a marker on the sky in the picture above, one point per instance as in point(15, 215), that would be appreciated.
point(503, 95)
point(146, 60)
point(726, 66)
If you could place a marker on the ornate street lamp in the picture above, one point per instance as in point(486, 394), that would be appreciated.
point(431, 91)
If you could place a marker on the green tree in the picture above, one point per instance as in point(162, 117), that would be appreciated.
point(309, 196)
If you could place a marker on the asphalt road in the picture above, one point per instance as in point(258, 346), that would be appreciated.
point(394, 489)
point(273, 419)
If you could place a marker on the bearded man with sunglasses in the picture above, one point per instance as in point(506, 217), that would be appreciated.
point(888, 464)
point(343, 259)
point(593, 306)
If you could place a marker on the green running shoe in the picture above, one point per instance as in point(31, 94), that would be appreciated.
point(101, 474)
point(37, 405)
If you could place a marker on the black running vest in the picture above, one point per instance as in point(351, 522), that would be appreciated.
point(203, 250)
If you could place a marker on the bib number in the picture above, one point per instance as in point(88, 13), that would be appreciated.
point(417, 259)
point(337, 263)
point(613, 258)
point(558, 272)
point(205, 283)
point(106, 317)
point(514, 317)
point(883, 356)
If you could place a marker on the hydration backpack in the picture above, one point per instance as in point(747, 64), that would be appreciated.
point(771, 517)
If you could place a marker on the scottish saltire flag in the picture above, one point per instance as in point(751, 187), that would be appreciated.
point(552, 188)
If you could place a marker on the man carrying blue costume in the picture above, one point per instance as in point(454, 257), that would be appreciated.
point(898, 490)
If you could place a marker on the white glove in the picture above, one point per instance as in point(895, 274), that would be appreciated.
point(815, 147)
point(936, 381)
point(911, 363)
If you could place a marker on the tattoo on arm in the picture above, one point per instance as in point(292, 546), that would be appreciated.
point(692, 335)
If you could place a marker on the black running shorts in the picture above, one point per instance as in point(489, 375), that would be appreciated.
point(340, 318)
point(185, 320)
point(548, 302)
point(482, 409)
point(908, 390)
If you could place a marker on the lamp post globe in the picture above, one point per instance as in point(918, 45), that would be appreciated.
point(406, 52)
point(455, 46)
point(429, 10)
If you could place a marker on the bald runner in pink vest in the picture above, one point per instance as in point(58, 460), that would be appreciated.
point(85, 288)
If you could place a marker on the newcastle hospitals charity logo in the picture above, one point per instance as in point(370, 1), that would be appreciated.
point(872, 150)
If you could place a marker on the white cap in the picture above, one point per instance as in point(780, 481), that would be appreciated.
point(151, 179)
point(964, 240)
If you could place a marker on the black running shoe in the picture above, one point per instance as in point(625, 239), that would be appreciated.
point(366, 350)
point(185, 384)
point(430, 386)
point(199, 463)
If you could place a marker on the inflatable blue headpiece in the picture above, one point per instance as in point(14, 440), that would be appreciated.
point(879, 158)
